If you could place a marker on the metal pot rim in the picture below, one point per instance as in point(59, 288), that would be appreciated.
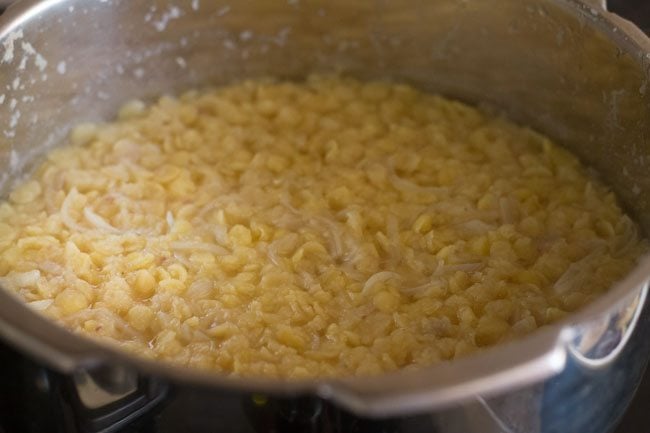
point(497, 369)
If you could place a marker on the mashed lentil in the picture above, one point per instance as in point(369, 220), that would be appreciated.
point(325, 228)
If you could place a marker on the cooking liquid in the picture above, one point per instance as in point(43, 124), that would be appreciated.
point(325, 228)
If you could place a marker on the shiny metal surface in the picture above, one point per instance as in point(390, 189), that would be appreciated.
point(108, 385)
point(566, 67)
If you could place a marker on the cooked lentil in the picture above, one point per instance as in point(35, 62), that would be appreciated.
point(325, 228)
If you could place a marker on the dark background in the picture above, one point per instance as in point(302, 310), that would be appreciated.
point(637, 11)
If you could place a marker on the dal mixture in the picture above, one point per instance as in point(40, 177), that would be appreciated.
point(325, 228)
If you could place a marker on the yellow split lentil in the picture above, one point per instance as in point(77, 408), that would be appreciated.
point(325, 228)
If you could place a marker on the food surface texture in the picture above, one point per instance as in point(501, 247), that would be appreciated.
point(326, 228)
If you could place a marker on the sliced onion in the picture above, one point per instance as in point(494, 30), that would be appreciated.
point(199, 246)
point(392, 229)
point(286, 203)
point(41, 305)
point(422, 288)
point(464, 267)
point(334, 234)
point(352, 273)
point(51, 268)
point(476, 227)
point(415, 290)
point(309, 281)
point(66, 218)
point(272, 254)
point(392, 234)
point(404, 185)
point(182, 260)
point(577, 273)
point(221, 234)
point(107, 318)
point(99, 222)
point(508, 210)
point(169, 217)
point(377, 278)
point(200, 289)
point(288, 222)
point(207, 209)
point(19, 280)
point(440, 264)
point(124, 201)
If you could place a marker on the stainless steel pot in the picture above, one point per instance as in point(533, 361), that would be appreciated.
point(566, 67)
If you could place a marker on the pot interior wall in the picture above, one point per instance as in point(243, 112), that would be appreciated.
point(559, 69)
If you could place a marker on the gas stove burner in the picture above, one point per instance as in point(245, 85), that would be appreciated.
point(114, 400)
point(313, 415)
